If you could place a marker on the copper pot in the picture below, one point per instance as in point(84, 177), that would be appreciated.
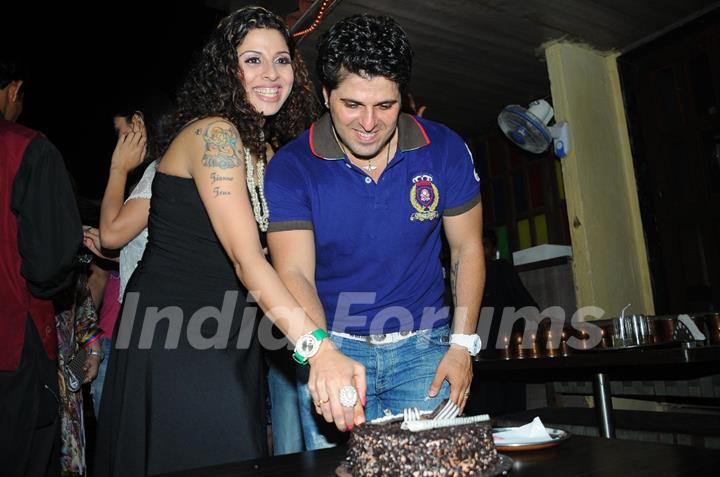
point(712, 322)
point(662, 328)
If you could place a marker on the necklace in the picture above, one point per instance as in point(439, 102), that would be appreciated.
point(371, 166)
point(257, 194)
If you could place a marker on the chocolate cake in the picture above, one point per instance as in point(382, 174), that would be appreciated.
point(458, 447)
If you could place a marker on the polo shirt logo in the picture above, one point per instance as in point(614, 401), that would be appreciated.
point(424, 197)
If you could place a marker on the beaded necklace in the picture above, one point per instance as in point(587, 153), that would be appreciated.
point(257, 193)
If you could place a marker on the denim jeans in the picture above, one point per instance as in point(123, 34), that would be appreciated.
point(96, 387)
point(398, 376)
point(286, 432)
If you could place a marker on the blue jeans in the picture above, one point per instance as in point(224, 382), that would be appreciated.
point(286, 432)
point(96, 387)
point(398, 376)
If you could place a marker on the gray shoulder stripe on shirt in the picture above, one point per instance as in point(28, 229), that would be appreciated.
point(461, 209)
point(290, 225)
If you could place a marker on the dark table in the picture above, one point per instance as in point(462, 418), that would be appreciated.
point(578, 456)
point(653, 362)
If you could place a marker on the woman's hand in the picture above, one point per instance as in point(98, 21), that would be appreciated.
point(330, 371)
point(91, 240)
point(130, 149)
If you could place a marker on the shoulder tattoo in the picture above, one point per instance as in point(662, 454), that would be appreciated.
point(221, 146)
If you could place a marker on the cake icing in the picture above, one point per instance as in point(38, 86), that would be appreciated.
point(392, 447)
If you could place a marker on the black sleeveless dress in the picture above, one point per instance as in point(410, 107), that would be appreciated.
point(184, 386)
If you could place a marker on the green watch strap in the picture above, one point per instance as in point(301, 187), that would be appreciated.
point(319, 334)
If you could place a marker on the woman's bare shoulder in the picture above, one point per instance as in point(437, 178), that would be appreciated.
point(196, 139)
point(207, 127)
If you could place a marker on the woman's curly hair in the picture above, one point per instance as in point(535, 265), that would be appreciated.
point(213, 87)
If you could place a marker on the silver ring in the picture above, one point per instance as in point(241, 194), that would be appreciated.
point(348, 396)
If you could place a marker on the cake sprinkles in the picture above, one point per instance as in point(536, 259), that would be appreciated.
point(457, 447)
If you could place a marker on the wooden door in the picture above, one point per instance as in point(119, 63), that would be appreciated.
point(672, 93)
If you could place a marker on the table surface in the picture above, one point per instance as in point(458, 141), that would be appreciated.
point(576, 457)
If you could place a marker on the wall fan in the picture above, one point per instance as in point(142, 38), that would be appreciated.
point(529, 129)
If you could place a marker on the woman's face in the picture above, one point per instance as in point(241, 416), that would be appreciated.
point(123, 126)
point(265, 69)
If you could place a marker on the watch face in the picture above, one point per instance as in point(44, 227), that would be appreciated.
point(471, 342)
point(306, 346)
point(476, 345)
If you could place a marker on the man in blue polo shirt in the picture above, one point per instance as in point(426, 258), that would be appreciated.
point(357, 204)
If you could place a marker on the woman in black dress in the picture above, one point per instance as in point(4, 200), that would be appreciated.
point(184, 386)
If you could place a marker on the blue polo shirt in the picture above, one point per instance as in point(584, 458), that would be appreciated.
point(377, 245)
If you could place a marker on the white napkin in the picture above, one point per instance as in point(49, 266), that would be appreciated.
point(529, 433)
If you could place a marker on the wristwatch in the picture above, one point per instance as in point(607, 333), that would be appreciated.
point(473, 343)
point(99, 354)
point(308, 345)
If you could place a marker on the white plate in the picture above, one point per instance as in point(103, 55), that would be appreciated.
point(556, 437)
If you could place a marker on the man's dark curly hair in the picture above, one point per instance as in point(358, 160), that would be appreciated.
point(213, 87)
point(367, 46)
point(11, 69)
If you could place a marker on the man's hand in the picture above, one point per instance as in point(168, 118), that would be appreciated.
point(456, 369)
point(93, 362)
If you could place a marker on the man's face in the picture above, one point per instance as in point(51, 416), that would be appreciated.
point(364, 113)
point(11, 101)
point(490, 249)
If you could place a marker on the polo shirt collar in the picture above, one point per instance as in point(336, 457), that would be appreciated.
point(411, 135)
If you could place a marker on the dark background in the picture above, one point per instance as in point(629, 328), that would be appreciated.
point(86, 61)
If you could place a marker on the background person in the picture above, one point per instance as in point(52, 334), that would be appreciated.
point(123, 221)
point(503, 289)
point(41, 234)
